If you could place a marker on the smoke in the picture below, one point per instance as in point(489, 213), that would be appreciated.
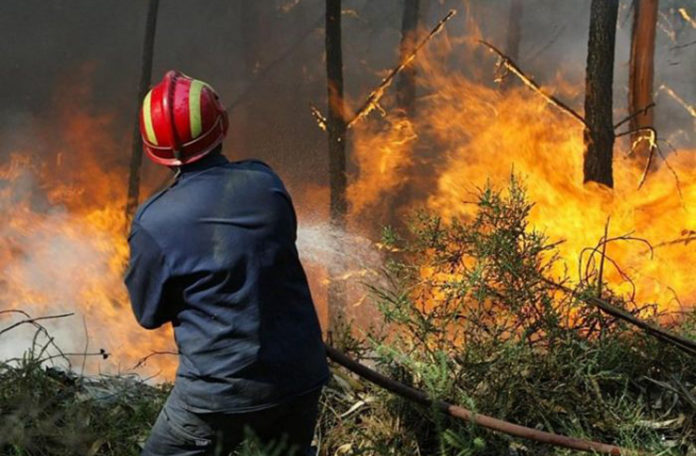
point(43, 251)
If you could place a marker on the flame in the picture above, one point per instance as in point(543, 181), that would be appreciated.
point(475, 132)
point(64, 246)
point(63, 196)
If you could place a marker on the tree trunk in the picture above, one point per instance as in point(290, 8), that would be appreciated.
point(144, 86)
point(599, 131)
point(336, 128)
point(406, 85)
point(641, 64)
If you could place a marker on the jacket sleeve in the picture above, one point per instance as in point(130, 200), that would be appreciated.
point(146, 280)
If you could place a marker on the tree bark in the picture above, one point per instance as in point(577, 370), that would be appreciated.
point(336, 128)
point(406, 85)
point(641, 71)
point(599, 131)
point(143, 87)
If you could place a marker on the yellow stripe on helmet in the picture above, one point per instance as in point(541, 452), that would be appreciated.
point(147, 118)
point(195, 107)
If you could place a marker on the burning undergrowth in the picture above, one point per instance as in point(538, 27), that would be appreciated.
point(464, 327)
point(470, 315)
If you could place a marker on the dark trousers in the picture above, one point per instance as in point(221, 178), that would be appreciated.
point(179, 432)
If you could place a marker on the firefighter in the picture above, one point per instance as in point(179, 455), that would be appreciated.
point(214, 255)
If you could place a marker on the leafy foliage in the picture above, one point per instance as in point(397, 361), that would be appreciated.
point(46, 411)
point(470, 317)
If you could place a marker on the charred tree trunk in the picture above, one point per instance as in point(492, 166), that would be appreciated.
point(642, 67)
point(143, 87)
point(599, 131)
point(336, 128)
point(406, 85)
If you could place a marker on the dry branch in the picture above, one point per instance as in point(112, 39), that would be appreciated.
point(456, 411)
point(684, 344)
point(144, 359)
point(373, 99)
point(635, 114)
point(511, 66)
point(685, 240)
point(34, 321)
point(651, 138)
point(690, 109)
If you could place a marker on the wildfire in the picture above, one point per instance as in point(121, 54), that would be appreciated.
point(64, 247)
point(471, 131)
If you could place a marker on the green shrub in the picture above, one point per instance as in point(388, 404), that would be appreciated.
point(468, 318)
point(47, 411)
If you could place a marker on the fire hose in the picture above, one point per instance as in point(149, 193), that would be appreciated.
point(495, 424)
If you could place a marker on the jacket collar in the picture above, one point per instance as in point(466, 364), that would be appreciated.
point(209, 161)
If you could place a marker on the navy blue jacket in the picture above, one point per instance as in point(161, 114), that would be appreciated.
point(215, 255)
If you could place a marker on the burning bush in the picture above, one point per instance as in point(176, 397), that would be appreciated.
point(471, 316)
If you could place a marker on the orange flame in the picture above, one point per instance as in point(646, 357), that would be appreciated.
point(475, 132)
point(64, 246)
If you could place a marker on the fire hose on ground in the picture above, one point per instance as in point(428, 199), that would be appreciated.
point(495, 424)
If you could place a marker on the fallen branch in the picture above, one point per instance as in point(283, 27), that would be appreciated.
point(456, 411)
point(372, 100)
point(377, 94)
point(510, 65)
point(682, 343)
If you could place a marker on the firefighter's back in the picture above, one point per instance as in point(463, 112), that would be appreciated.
point(242, 312)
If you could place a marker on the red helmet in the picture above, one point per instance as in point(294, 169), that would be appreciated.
point(181, 120)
